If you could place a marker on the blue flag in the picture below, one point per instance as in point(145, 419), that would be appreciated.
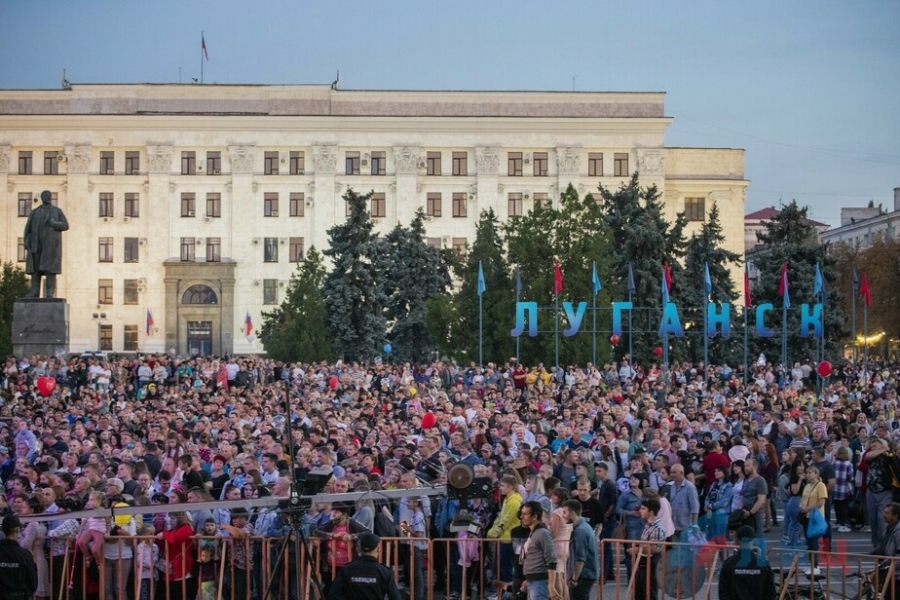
point(629, 283)
point(707, 281)
point(665, 289)
point(595, 279)
point(481, 286)
point(819, 284)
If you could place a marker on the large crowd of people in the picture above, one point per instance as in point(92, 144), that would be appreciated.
point(624, 450)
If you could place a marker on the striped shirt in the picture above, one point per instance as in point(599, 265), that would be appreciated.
point(653, 532)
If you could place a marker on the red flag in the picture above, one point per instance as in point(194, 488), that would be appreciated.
point(667, 274)
point(203, 46)
point(864, 290)
point(150, 323)
point(783, 283)
point(747, 299)
point(222, 377)
point(557, 278)
point(248, 325)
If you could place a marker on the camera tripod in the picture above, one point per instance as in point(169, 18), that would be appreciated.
point(294, 537)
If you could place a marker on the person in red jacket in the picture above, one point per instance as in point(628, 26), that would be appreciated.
point(176, 550)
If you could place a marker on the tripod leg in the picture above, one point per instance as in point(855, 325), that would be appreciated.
point(284, 544)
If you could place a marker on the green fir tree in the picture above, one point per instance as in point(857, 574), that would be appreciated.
point(13, 285)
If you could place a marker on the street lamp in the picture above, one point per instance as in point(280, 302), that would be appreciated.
point(99, 317)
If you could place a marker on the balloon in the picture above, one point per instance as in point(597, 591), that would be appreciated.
point(46, 385)
point(613, 339)
point(429, 420)
point(657, 351)
point(388, 348)
point(333, 382)
point(824, 368)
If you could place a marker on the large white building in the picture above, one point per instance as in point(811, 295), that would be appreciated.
point(192, 203)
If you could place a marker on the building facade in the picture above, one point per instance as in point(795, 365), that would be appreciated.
point(189, 205)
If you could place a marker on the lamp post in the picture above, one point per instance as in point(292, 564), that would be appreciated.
point(99, 317)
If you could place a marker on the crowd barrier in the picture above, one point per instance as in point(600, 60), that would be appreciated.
point(467, 568)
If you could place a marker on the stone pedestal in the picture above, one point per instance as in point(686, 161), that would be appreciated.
point(40, 326)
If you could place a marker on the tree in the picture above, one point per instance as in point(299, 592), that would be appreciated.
point(295, 331)
point(354, 289)
point(13, 285)
point(417, 274)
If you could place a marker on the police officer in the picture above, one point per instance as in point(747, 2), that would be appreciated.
point(746, 575)
point(365, 578)
point(18, 573)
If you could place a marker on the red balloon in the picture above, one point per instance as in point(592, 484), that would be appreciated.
point(333, 382)
point(824, 368)
point(613, 339)
point(46, 385)
point(429, 420)
point(657, 351)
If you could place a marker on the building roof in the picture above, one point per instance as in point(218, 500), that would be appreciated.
point(770, 212)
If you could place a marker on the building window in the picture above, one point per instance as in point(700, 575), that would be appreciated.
point(620, 164)
point(188, 253)
point(270, 291)
point(214, 163)
point(107, 204)
point(25, 203)
point(199, 294)
point(378, 205)
point(25, 165)
point(541, 163)
point(379, 162)
point(130, 294)
point(541, 199)
point(514, 164)
point(130, 341)
point(297, 204)
point(105, 291)
point(21, 254)
point(105, 250)
point(132, 162)
point(214, 204)
point(296, 249)
point(433, 204)
point(595, 164)
point(132, 250)
point(695, 209)
point(433, 242)
point(270, 250)
point(298, 162)
point(51, 162)
point(189, 163)
point(270, 167)
point(460, 245)
point(459, 204)
point(214, 249)
point(460, 164)
point(351, 163)
point(515, 205)
point(54, 199)
point(188, 204)
point(106, 334)
point(107, 162)
point(433, 163)
point(132, 204)
point(270, 204)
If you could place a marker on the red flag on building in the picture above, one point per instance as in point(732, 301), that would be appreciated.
point(557, 278)
point(864, 290)
point(203, 46)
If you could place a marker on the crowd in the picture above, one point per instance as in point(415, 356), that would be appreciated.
point(619, 451)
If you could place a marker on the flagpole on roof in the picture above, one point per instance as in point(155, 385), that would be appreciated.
point(202, 50)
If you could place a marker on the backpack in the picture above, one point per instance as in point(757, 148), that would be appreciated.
point(384, 525)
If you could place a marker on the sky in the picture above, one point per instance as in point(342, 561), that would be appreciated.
point(810, 89)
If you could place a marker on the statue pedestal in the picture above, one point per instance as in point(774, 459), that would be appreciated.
point(40, 326)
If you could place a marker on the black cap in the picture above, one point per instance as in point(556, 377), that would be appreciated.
point(11, 522)
point(368, 542)
point(745, 532)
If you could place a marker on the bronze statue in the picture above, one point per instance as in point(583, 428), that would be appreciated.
point(43, 241)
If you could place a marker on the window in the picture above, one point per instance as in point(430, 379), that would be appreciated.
point(132, 162)
point(695, 209)
point(106, 333)
point(21, 254)
point(270, 250)
point(433, 242)
point(132, 250)
point(297, 204)
point(270, 291)
point(25, 203)
point(541, 199)
point(379, 162)
point(595, 164)
point(541, 164)
point(130, 294)
point(25, 162)
point(460, 164)
point(130, 341)
point(214, 204)
point(214, 163)
point(620, 164)
point(51, 163)
point(105, 291)
point(460, 244)
point(107, 203)
point(515, 204)
point(514, 164)
point(378, 205)
point(214, 249)
point(189, 163)
point(54, 199)
point(132, 204)
point(298, 162)
point(270, 204)
point(296, 249)
point(105, 250)
point(188, 204)
point(351, 163)
point(459, 204)
point(433, 204)
point(187, 249)
point(199, 294)
point(107, 162)
point(270, 167)
point(433, 163)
